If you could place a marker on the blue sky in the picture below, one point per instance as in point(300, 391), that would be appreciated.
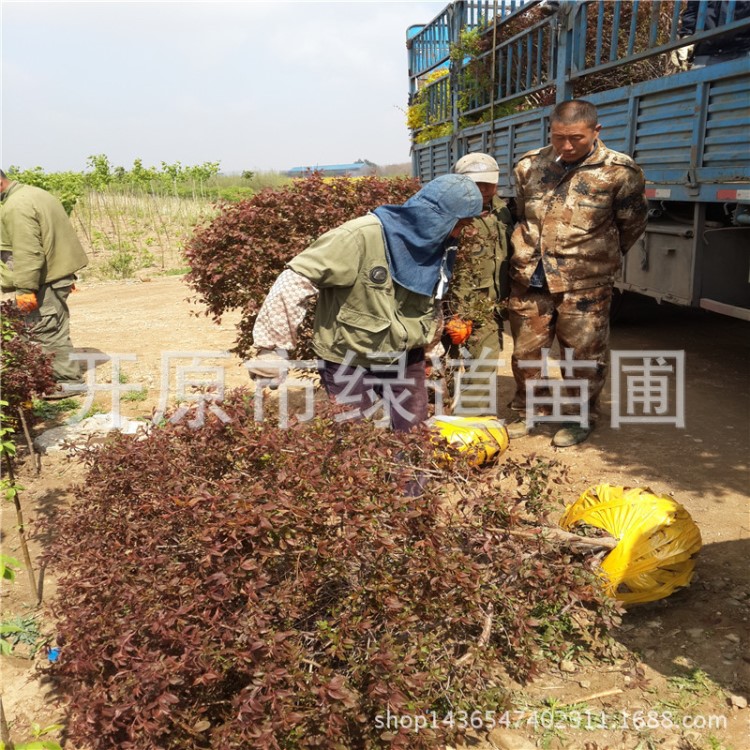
point(254, 85)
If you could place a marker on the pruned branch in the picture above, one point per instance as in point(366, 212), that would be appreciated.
point(552, 534)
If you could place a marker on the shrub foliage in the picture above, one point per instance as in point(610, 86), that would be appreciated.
point(236, 258)
point(25, 370)
point(246, 586)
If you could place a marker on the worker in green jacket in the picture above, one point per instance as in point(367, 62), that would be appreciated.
point(41, 255)
point(479, 292)
point(378, 280)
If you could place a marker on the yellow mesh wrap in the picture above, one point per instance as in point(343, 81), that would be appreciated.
point(657, 540)
point(482, 437)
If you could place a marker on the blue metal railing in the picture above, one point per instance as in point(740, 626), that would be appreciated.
point(522, 65)
point(550, 54)
point(429, 48)
point(639, 30)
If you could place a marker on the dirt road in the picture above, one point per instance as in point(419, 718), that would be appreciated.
point(703, 465)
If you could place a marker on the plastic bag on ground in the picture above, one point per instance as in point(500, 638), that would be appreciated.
point(482, 437)
point(657, 540)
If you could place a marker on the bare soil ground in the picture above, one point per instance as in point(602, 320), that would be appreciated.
point(685, 659)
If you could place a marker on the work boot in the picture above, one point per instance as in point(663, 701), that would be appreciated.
point(517, 428)
point(571, 433)
point(60, 392)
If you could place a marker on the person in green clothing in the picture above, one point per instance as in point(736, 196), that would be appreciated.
point(474, 329)
point(378, 280)
point(41, 255)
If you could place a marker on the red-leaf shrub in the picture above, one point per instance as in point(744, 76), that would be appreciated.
point(25, 370)
point(246, 586)
point(237, 257)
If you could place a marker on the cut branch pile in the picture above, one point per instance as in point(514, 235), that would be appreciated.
point(246, 586)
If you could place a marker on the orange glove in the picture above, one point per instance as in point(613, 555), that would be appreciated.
point(458, 330)
point(27, 302)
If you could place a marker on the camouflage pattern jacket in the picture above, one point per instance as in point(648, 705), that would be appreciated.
point(579, 220)
point(481, 282)
point(485, 253)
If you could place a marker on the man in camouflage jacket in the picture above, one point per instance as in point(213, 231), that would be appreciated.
point(479, 293)
point(580, 208)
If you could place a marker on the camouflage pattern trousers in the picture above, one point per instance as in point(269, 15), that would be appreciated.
point(474, 391)
point(579, 319)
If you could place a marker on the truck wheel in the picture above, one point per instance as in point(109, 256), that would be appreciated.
point(615, 308)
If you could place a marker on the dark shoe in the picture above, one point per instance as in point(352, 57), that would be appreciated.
point(571, 433)
point(61, 392)
point(517, 428)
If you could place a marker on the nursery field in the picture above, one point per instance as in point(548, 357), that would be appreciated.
point(678, 674)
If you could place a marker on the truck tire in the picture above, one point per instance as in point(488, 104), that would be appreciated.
point(615, 308)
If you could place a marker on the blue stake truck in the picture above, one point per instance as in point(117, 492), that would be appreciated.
point(485, 76)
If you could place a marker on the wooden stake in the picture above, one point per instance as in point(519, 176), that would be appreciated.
point(4, 730)
point(30, 442)
point(21, 530)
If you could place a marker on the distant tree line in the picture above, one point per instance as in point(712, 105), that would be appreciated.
point(200, 181)
point(101, 175)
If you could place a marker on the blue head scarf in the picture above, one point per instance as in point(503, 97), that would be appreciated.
point(416, 232)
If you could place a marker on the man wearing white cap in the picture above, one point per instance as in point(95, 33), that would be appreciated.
point(480, 286)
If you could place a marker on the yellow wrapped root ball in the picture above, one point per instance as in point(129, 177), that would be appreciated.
point(482, 437)
point(657, 540)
